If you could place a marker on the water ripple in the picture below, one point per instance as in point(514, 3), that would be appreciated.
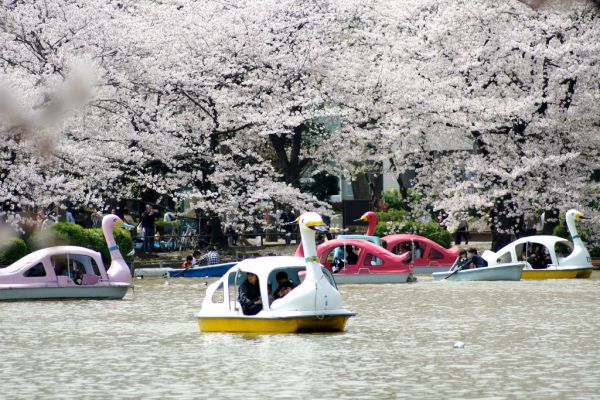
point(521, 339)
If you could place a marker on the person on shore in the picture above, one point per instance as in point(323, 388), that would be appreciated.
point(462, 232)
point(127, 217)
point(50, 220)
point(96, 218)
point(148, 219)
point(287, 218)
point(69, 215)
point(249, 295)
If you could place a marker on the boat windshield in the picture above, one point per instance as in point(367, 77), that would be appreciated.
point(563, 248)
point(296, 275)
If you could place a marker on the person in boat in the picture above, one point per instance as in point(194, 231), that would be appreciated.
point(77, 275)
point(351, 256)
point(462, 261)
point(415, 251)
point(475, 260)
point(283, 284)
point(212, 257)
point(284, 289)
point(249, 295)
point(196, 257)
point(187, 263)
point(543, 256)
point(537, 258)
point(403, 249)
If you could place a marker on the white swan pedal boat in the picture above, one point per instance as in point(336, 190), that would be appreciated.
point(313, 305)
point(567, 261)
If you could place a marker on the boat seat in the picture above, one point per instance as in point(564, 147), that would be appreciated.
point(90, 279)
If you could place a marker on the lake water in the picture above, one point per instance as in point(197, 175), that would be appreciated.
point(528, 339)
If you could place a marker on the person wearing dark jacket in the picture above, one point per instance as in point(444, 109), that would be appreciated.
point(249, 295)
point(462, 261)
point(476, 261)
point(147, 221)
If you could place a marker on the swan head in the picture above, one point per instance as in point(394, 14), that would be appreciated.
point(367, 217)
point(311, 221)
point(574, 214)
point(111, 221)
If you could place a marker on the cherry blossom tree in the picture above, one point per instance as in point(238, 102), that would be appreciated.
point(522, 86)
point(229, 103)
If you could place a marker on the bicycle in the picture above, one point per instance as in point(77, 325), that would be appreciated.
point(174, 240)
point(188, 239)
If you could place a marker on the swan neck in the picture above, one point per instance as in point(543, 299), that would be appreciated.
point(572, 227)
point(371, 227)
point(109, 236)
point(313, 267)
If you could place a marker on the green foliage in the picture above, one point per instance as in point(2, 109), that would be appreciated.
point(393, 215)
point(430, 230)
point(399, 221)
point(65, 233)
point(393, 199)
point(96, 241)
point(561, 230)
point(72, 233)
point(12, 250)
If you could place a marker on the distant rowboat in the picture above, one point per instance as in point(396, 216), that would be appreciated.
point(503, 272)
point(210, 271)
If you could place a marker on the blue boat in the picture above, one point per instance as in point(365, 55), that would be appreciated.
point(210, 271)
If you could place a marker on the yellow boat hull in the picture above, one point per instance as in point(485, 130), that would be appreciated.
point(581, 273)
point(329, 323)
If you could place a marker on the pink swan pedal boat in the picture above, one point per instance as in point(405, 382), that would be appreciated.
point(68, 272)
point(373, 263)
point(434, 258)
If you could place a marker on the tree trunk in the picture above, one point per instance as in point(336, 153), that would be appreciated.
point(360, 187)
point(503, 227)
point(291, 166)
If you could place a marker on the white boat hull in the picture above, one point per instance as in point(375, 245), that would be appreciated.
point(341, 278)
point(430, 270)
point(153, 272)
point(503, 272)
point(55, 293)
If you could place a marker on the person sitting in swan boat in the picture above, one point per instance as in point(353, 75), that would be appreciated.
point(249, 295)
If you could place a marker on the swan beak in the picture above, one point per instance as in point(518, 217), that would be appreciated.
point(318, 226)
point(580, 216)
point(362, 218)
point(126, 225)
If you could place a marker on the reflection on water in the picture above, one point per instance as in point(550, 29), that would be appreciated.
point(528, 338)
